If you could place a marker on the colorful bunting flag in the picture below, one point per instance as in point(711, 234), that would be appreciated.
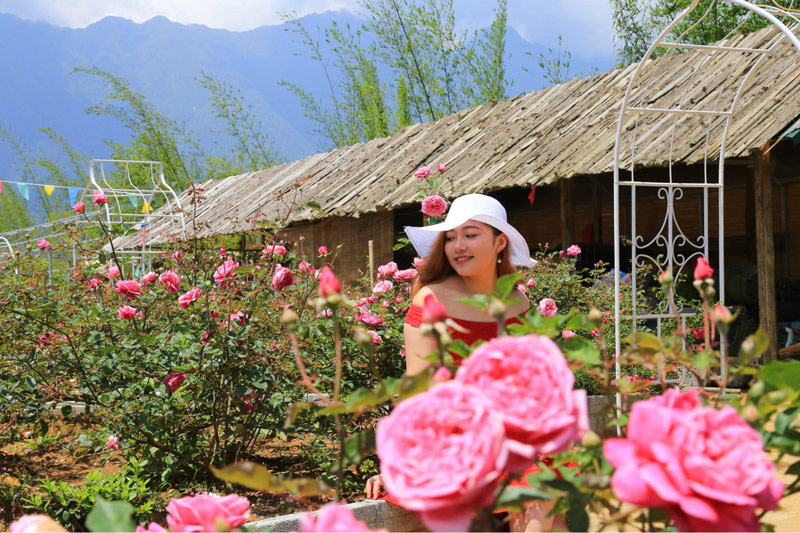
point(73, 194)
point(134, 200)
point(532, 195)
point(1, 186)
point(23, 190)
point(49, 189)
point(146, 207)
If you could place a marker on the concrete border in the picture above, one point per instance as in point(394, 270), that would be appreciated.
point(376, 514)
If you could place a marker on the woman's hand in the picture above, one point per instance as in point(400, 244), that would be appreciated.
point(373, 488)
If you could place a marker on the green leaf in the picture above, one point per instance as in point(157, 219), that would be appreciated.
point(753, 346)
point(245, 270)
point(506, 284)
point(783, 420)
point(110, 516)
point(781, 374)
point(579, 322)
point(313, 205)
point(292, 412)
point(514, 498)
point(581, 349)
point(647, 343)
point(794, 469)
point(578, 519)
point(257, 477)
point(358, 445)
point(480, 301)
point(460, 348)
point(66, 410)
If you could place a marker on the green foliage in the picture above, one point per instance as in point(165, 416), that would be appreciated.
point(435, 71)
point(637, 23)
point(70, 505)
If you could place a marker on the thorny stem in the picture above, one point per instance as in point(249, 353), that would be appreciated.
point(306, 380)
point(337, 339)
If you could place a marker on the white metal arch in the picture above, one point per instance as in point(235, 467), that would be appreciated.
point(648, 105)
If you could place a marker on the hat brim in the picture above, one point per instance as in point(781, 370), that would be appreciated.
point(423, 237)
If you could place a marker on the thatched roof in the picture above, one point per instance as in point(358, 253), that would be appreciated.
point(535, 138)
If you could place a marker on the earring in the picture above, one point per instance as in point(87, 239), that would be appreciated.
point(499, 260)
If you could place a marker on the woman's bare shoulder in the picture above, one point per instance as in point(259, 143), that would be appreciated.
point(441, 290)
point(419, 298)
point(522, 304)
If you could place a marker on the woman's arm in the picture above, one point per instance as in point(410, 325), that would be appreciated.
point(417, 345)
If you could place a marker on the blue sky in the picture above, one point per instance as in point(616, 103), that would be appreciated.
point(584, 24)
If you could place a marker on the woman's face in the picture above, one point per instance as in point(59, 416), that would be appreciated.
point(472, 248)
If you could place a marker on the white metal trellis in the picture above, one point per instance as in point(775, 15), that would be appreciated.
point(653, 102)
point(132, 187)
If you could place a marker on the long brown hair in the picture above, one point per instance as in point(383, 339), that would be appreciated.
point(437, 268)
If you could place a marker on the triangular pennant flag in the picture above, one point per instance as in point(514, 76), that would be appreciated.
point(134, 200)
point(1, 186)
point(532, 195)
point(146, 207)
point(49, 189)
point(73, 194)
point(23, 190)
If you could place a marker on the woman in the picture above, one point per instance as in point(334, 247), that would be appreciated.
point(464, 256)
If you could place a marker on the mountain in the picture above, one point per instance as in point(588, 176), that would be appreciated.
point(162, 59)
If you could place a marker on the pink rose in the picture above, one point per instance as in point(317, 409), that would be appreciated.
point(204, 511)
point(237, 317)
point(189, 298)
point(706, 467)
point(442, 374)
point(703, 270)
point(225, 272)
point(441, 168)
point(322, 250)
point(149, 278)
point(99, 197)
point(43, 244)
point(276, 249)
point(566, 334)
point(334, 517)
point(371, 320)
point(387, 270)
point(35, 523)
point(94, 283)
point(112, 443)
point(328, 284)
point(303, 266)
point(128, 288)
point(113, 271)
point(327, 313)
point(547, 307)
point(79, 207)
point(405, 275)
point(382, 287)
point(442, 453)
point(177, 254)
point(282, 278)
point(174, 380)
point(418, 262)
point(422, 172)
point(170, 280)
point(573, 250)
point(434, 205)
point(126, 312)
point(376, 339)
point(433, 310)
point(222, 252)
point(506, 370)
point(531, 284)
point(520, 287)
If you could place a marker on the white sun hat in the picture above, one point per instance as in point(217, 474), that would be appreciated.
point(472, 207)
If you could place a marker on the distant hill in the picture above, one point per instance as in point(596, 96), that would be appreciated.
point(161, 60)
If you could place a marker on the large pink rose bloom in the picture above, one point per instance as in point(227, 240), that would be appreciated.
point(204, 511)
point(434, 205)
point(129, 288)
point(170, 280)
point(405, 275)
point(706, 467)
point(282, 278)
point(225, 272)
point(528, 380)
point(34, 523)
point(333, 517)
point(387, 270)
point(442, 453)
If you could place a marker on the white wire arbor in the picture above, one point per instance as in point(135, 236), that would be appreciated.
point(133, 189)
point(655, 113)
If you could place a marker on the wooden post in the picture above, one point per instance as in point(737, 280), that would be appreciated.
point(371, 262)
point(765, 248)
point(566, 213)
